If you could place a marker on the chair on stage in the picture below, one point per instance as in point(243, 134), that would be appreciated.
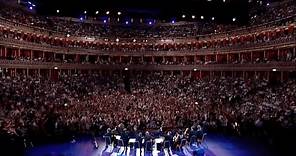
point(107, 140)
point(167, 145)
point(182, 144)
point(193, 139)
point(137, 144)
point(120, 143)
point(148, 146)
point(203, 141)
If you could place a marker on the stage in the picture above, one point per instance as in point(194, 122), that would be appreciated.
point(215, 145)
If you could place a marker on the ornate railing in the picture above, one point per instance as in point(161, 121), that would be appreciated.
point(282, 43)
point(238, 31)
point(279, 66)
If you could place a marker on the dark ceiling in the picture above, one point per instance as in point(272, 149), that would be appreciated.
point(160, 9)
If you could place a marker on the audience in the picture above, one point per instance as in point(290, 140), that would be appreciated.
point(91, 103)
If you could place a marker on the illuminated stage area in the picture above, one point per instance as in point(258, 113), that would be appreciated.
point(215, 145)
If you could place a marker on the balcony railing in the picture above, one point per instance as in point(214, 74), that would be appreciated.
point(282, 43)
point(238, 31)
point(279, 66)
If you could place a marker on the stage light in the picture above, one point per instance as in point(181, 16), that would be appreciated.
point(107, 12)
point(233, 19)
point(150, 23)
point(126, 22)
point(193, 16)
point(85, 12)
point(196, 103)
point(194, 69)
point(68, 35)
point(173, 21)
point(97, 12)
point(267, 4)
point(58, 11)
point(134, 40)
point(183, 16)
point(31, 8)
point(224, 1)
point(65, 104)
point(117, 40)
point(126, 69)
point(274, 69)
point(118, 13)
point(55, 68)
point(81, 18)
point(213, 18)
point(202, 17)
point(105, 21)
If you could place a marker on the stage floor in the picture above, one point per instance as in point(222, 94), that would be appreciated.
point(217, 145)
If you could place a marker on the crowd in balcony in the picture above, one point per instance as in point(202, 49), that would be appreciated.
point(81, 29)
point(32, 106)
point(274, 35)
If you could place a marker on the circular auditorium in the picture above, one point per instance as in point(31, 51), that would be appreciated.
point(147, 77)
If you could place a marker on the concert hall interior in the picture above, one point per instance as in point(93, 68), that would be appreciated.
point(147, 77)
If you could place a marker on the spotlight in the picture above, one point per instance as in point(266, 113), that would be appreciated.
point(213, 18)
point(117, 40)
point(107, 12)
point(85, 12)
point(134, 40)
point(68, 35)
point(224, 1)
point(58, 11)
point(173, 21)
point(194, 69)
point(202, 17)
point(274, 69)
point(55, 68)
point(31, 8)
point(126, 22)
point(150, 23)
point(233, 19)
point(97, 12)
point(267, 4)
point(118, 13)
point(193, 16)
point(81, 18)
point(126, 69)
point(105, 21)
point(183, 16)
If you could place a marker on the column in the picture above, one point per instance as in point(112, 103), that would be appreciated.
point(31, 54)
point(216, 55)
point(195, 59)
point(278, 54)
point(5, 52)
point(282, 76)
